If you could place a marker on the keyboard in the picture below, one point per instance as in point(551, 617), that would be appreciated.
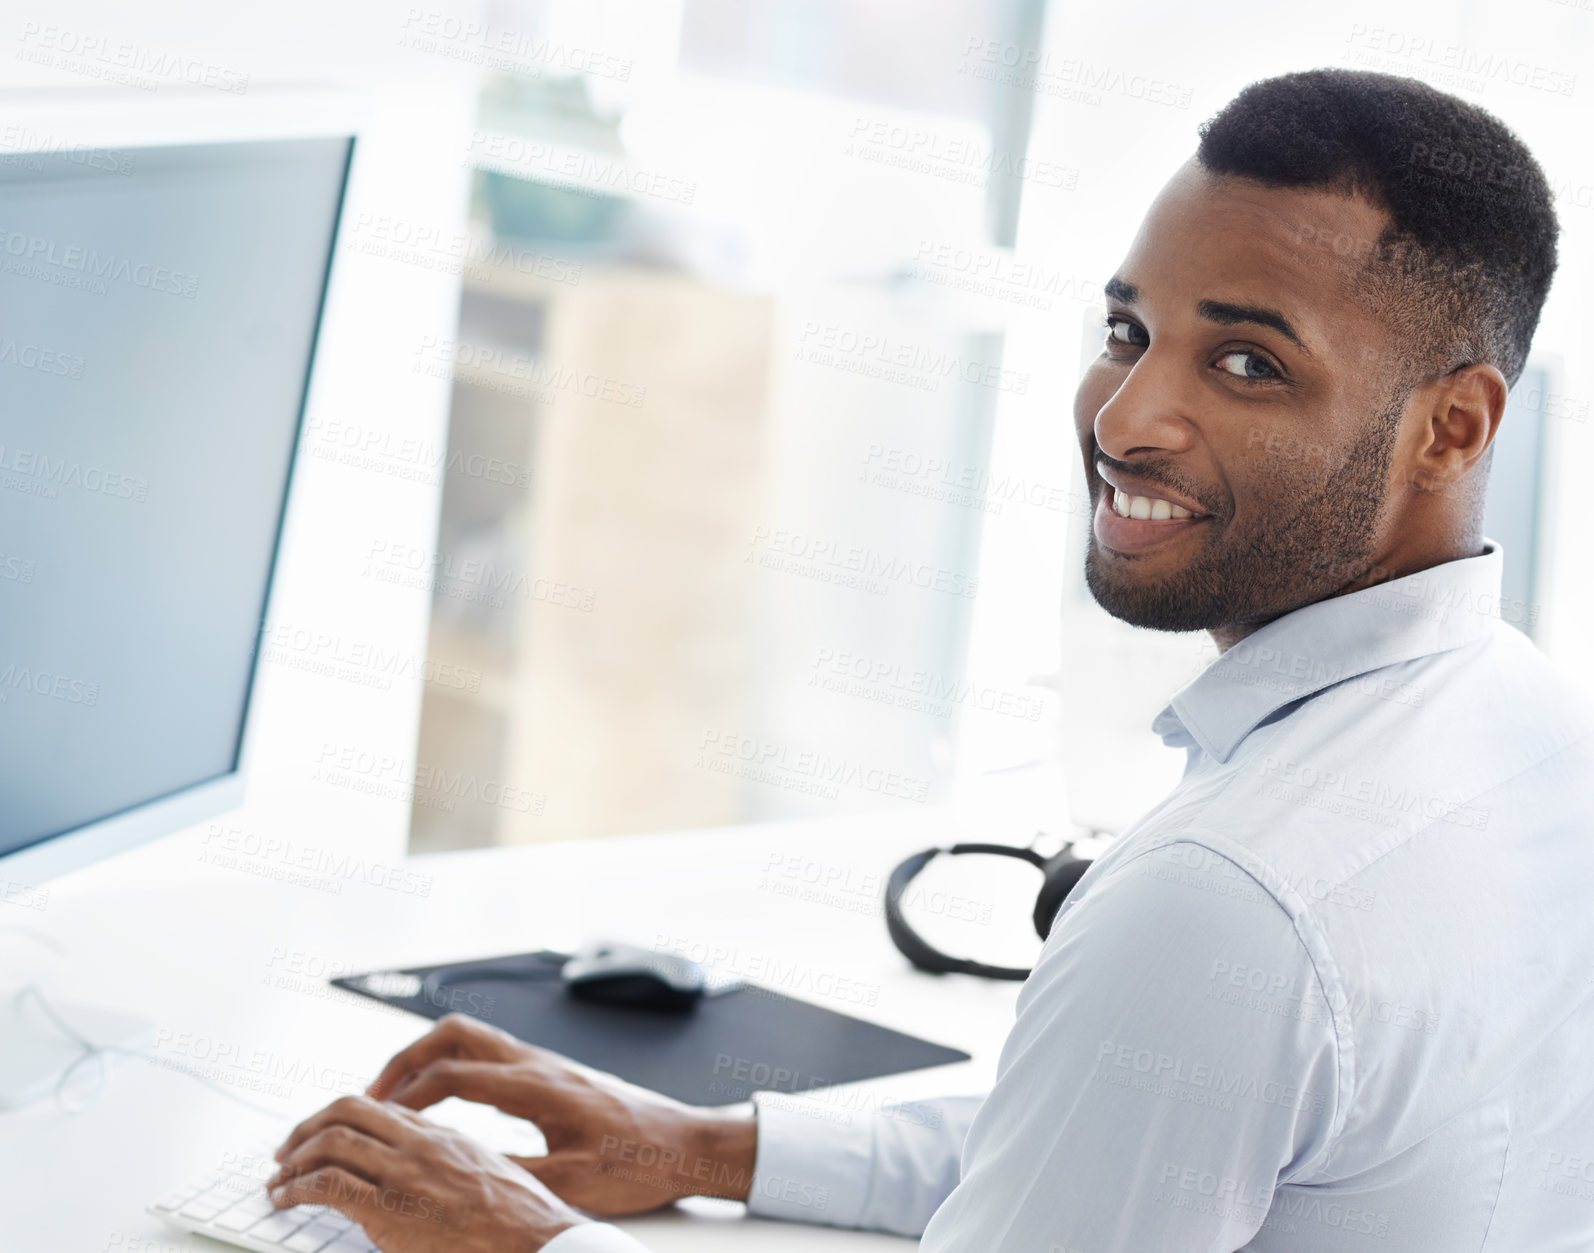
point(230, 1204)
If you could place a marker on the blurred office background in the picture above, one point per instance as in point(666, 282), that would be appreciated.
point(694, 444)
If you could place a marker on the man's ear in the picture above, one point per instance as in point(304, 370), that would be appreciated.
point(1462, 417)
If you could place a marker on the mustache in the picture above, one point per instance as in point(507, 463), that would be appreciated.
point(1153, 473)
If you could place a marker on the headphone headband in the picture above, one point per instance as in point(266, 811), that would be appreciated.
point(1061, 873)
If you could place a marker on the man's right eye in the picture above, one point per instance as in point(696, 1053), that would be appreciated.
point(1123, 331)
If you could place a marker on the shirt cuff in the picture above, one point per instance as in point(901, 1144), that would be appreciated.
point(810, 1167)
point(593, 1238)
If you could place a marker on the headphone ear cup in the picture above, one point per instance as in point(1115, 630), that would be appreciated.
point(1062, 872)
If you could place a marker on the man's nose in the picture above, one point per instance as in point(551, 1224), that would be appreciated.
point(1151, 410)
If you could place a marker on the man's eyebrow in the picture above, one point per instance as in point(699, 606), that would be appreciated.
point(1223, 312)
point(1124, 293)
point(1233, 315)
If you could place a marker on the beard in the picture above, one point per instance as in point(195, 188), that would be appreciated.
point(1320, 538)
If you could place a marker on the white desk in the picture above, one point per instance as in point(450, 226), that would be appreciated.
point(234, 972)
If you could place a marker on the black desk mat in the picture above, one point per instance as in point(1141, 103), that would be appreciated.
point(732, 1044)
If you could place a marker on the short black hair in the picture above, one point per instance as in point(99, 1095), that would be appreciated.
point(1470, 249)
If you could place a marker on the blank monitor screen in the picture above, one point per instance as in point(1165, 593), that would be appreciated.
point(158, 310)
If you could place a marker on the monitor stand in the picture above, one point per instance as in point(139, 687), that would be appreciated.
point(35, 1053)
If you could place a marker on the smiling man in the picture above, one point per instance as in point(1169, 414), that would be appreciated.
point(1335, 991)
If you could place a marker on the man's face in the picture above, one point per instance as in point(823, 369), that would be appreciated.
point(1242, 382)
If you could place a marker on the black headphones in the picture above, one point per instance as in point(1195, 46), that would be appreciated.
point(1061, 870)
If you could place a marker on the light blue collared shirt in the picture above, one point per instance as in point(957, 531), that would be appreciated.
point(1335, 992)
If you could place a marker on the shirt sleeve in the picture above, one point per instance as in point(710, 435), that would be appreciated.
point(1173, 1061)
point(821, 1161)
point(886, 1169)
point(594, 1238)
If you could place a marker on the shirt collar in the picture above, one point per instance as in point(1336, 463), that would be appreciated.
point(1329, 641)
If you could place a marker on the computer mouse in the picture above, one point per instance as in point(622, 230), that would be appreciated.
point(634, 977)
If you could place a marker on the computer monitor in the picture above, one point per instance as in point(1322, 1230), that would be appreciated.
point(161, 290)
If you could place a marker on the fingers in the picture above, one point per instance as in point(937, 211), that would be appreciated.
point(331, 1185)
point(524, 1086)
point(382, 1123)
point(341, 1147)
point(454, 1036)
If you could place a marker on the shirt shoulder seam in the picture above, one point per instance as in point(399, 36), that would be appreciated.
point(1315, 947)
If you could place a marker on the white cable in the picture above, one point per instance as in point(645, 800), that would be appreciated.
point(98, 1052)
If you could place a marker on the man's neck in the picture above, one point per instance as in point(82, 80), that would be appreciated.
point(1384, 570)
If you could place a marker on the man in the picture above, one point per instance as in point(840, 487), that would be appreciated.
point(1335, 991)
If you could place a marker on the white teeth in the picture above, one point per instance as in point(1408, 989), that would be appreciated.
point(1146, 507)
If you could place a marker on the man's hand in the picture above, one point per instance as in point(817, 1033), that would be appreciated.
point(414, 1187)
point(613, 1148)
